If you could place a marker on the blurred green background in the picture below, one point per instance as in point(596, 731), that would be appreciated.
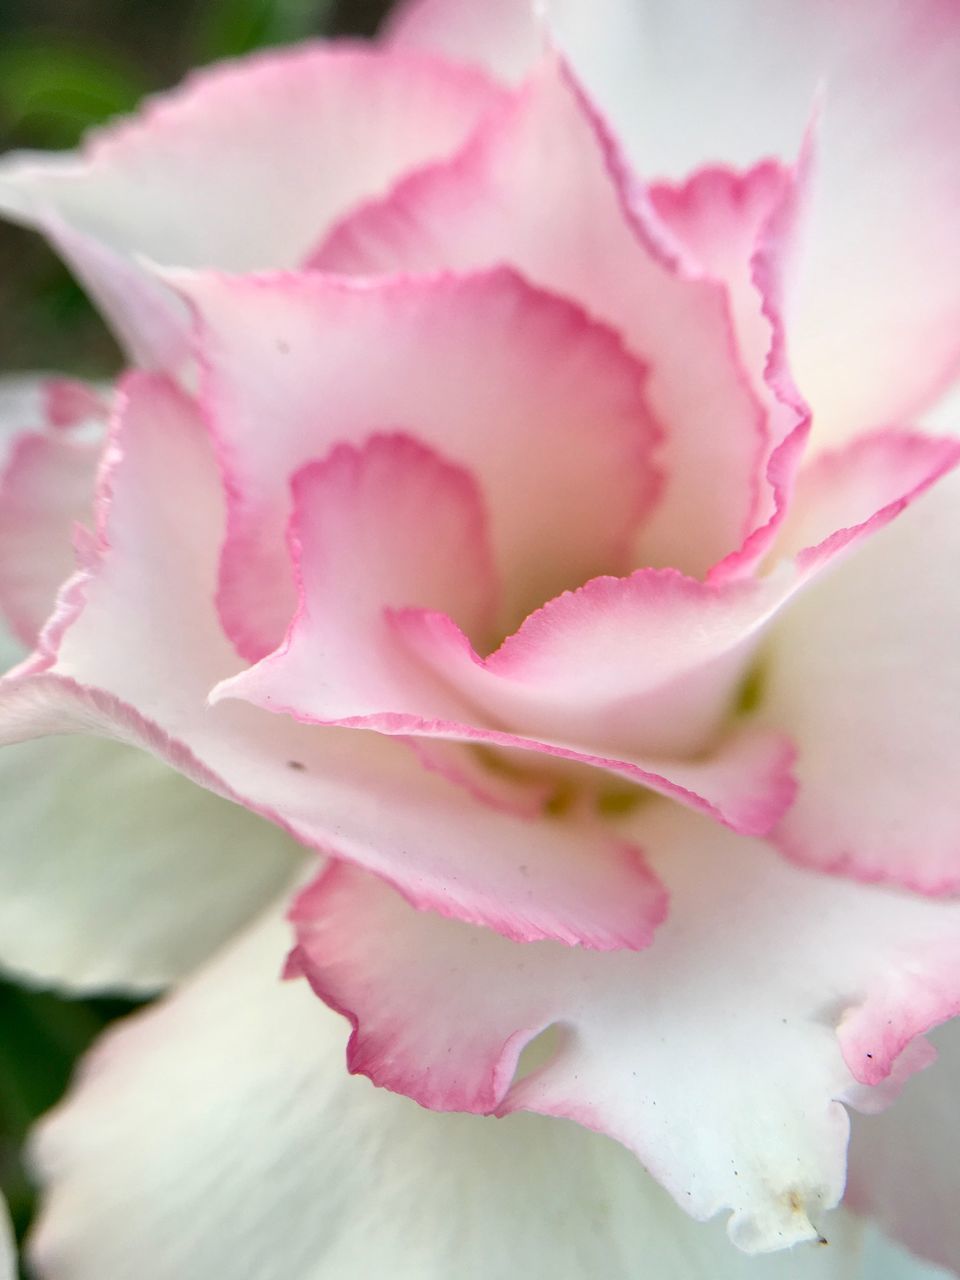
point(65, 65)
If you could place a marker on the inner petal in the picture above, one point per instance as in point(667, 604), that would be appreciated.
point(542, 404)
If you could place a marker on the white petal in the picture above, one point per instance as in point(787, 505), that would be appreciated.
point(218, 1135)
point(116, 872)
point(244, 166)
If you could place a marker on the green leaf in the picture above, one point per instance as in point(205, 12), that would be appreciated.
point(50, 92)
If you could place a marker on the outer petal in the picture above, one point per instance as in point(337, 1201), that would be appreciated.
point(541, 186)
point(575, 707)
point(217, 1134)
point(502, 35)
point(903, 1166)
point(115, 872)
point(874, 329)
point(257, 157)
point(540, 403)
point(8, 1252)
point(119, 874)
point(740, 227)
point(863, 674)
point(714, 1056)
point(634, 675)
point(134, 655)
point(50, 436)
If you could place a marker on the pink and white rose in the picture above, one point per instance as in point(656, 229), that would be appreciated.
point(515, 581)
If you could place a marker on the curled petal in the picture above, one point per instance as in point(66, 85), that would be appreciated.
point(910, 1186)
point(51, 433)
point(539, 402)
point(132, 656)
point(506, 197)
point(714, 1055)
point(875, 319)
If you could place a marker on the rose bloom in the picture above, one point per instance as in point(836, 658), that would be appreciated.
point(512, 596)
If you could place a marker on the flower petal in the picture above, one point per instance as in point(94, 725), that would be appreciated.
point(863, 674)
point(119, 874)
point(903, 1167)
point(874, 326)
point(507, 197)
point(741, 228)
point(714, 1055)
point(46, 488)
point(624, 674)
point(133, 656)
point(540, 403)
point(50, 437)
point(337, 1178)
point(8, 1252)
point(637, 675)
point(257, 157)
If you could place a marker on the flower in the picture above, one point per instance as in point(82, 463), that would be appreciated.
point(548, 531)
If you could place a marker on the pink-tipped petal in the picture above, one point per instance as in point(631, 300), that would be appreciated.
point(257, 157)
point(863, 674)
point(133, 656)
point(644, 663)
point(903, 1166)
point(140, 1173)
point(8, 1249)
point(623, 675)
point(772, 267)
point(637, 676)
point(503, 36)
point(540, 403)
point(118, 874)
point(873, 333)
point(851, 493)
point(542, 186)
point(714, 1056)
point(742, 228)
point(50, 436)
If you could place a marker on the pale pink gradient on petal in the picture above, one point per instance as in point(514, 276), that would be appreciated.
point(539, 402)
point(862, 673)
point(387, 524)
point(592, 677)
point(323, 125)
point(873, 334)
point(132, 656)
point(771, 279)
point(70, 403)
point(501, 782)
point(723, 1073)
point(503, 36)
point(636, 676)
point(543, 186)
point(849, 493)
point(337, 1178)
